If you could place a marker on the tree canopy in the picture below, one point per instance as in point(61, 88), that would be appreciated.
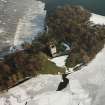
point(71, 24)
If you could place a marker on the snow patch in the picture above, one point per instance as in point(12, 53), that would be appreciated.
point(60, 61)
point(97, 19)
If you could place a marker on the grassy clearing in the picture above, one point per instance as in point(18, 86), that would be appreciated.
point(48, 67)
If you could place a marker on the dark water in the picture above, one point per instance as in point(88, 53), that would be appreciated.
point(96, 6)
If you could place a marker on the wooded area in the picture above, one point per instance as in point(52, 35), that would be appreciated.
point(71, 24)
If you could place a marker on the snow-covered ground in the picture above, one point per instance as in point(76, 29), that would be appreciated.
point(86, 87)
point(42, 91)
point(30, 24)
point(60, 61)
point(97, 19)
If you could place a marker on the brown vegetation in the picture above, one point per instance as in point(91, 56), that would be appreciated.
point(71, 24)
point(21, 65)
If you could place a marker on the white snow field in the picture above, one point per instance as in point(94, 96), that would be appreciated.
point(31, 23)
point(59, 61)
point(97, 19)
point(86, 87)
point(42, 91)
